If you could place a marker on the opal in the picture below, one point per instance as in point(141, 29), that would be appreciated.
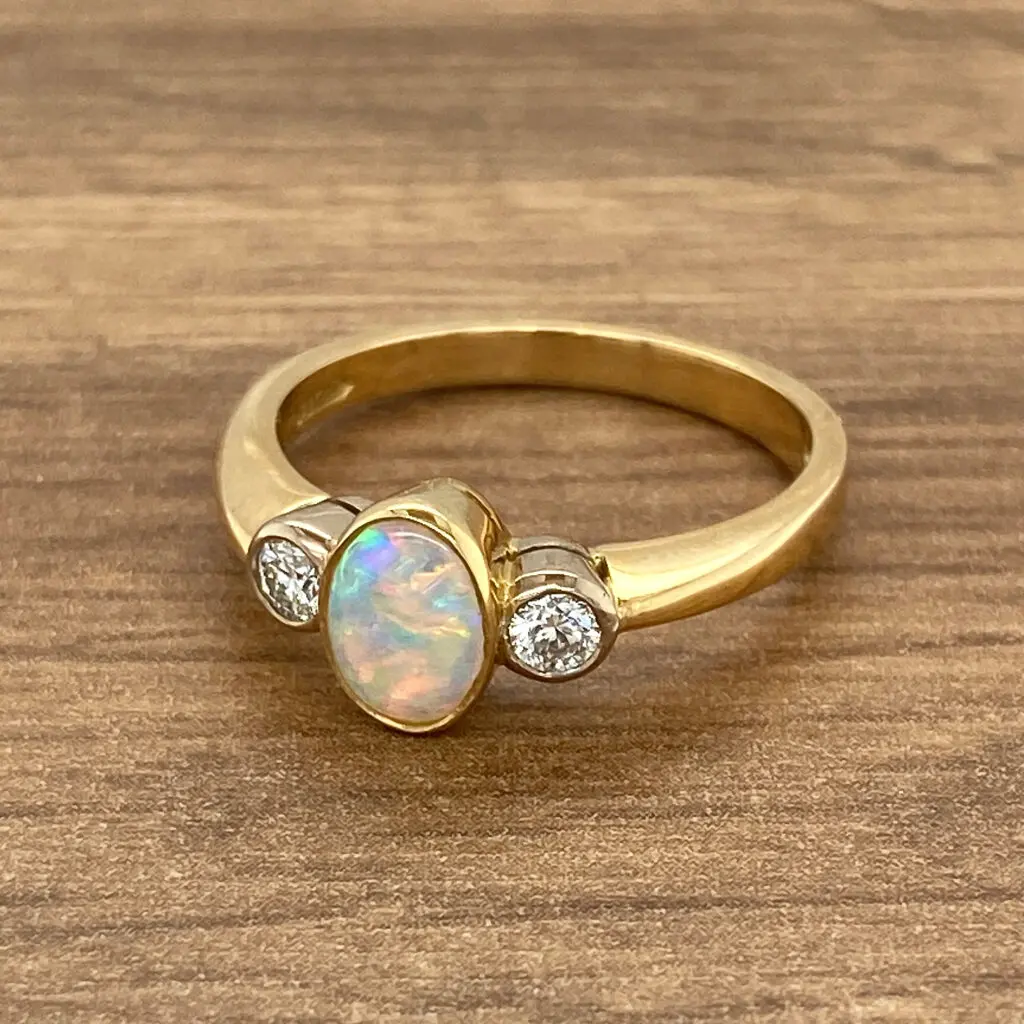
point(404, 623)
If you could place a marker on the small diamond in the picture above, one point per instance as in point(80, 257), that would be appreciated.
point(554, 635)
point(288, 580)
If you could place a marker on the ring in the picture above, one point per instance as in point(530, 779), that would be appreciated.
point(420, 595)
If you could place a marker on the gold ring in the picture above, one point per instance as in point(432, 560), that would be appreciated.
point(420, 595)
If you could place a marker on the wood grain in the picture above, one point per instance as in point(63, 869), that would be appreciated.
point(806, 807)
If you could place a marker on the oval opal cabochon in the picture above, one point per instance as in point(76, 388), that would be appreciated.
point(404, 622)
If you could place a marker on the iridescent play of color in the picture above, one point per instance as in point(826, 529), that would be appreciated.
point(404, 622)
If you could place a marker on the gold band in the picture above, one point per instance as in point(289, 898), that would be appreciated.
point(653, 581)
point(420, 595)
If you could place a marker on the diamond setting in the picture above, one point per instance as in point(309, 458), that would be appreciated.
point(287, 580)
point(554, 635)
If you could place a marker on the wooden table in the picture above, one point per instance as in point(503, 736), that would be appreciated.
point(806, 807)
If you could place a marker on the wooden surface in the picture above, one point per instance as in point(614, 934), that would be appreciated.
point(806, 807)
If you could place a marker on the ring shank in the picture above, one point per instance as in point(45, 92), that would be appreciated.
point(655, 580)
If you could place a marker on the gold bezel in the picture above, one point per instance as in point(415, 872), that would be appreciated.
point(460, 517)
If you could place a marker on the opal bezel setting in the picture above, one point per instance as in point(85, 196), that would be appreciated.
point(404, 622)
point(461, 520)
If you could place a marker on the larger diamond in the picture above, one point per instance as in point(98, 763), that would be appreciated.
point(554, 635)
point(288, 580)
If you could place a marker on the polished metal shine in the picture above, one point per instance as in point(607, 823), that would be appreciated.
point(627, 584)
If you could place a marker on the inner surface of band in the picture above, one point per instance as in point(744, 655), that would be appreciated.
point(653, 580)
point(554, 359)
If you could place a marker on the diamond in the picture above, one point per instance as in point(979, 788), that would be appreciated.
point(288, 580)
point(554, 635)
